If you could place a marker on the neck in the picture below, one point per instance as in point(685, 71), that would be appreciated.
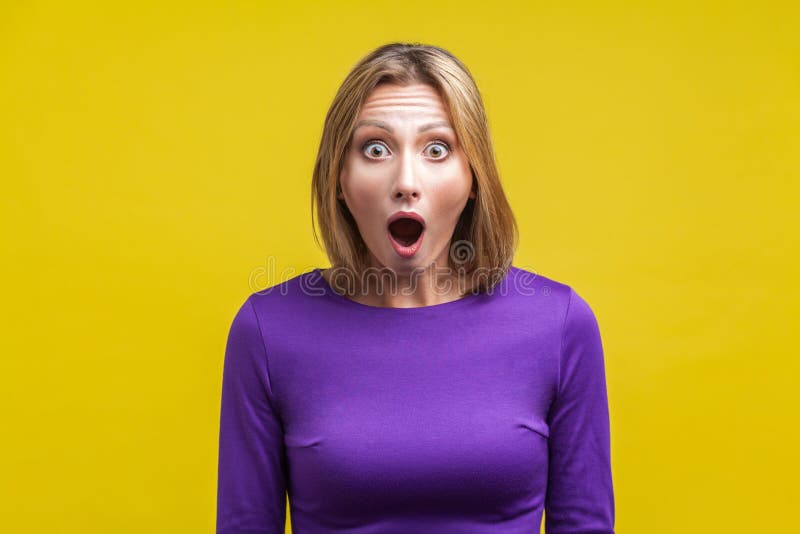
point(389, 289)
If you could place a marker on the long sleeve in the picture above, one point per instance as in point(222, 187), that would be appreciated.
point(580, 495)
point(251, 481)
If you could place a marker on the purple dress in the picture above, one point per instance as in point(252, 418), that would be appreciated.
point(472, 416)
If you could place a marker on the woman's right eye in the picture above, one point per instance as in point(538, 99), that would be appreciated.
point(375, 150)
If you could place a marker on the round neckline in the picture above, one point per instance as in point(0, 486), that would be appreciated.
point(463, 301)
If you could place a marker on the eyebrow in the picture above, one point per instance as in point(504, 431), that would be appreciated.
point(383, 125)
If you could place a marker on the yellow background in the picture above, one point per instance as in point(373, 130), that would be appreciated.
point(156, 160)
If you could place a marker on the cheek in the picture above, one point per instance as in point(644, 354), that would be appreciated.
point(362, 190)
point(458, 178)
point(453, 190)
point(362, 182)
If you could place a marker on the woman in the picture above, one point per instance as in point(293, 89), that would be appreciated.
point(423, 383)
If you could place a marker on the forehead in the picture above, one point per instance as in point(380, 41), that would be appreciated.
point(408, 100)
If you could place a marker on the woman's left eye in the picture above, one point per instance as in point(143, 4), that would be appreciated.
point(437, 150)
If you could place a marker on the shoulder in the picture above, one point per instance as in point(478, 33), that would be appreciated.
point(279, 311)
point(547, 295)
point(289, 294)
point(545, 290)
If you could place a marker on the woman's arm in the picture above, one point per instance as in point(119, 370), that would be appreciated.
point(580, 495)
point(251, 482)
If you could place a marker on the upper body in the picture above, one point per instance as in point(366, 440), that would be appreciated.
point(471, 400)
point(474, 415)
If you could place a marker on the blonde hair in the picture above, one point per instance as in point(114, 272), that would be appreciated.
point(486, 235)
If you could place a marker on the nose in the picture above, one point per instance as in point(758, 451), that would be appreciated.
point(406, 184)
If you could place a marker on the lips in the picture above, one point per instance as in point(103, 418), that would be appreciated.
point(406, 230)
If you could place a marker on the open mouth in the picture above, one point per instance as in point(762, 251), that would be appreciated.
point(406, 231)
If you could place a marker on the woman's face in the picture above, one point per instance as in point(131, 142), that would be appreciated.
point(404, 157)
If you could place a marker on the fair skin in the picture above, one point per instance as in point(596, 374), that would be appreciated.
point(404, 156)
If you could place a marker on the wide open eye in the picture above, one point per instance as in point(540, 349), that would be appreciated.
point(438, 150)
point(375, 150)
